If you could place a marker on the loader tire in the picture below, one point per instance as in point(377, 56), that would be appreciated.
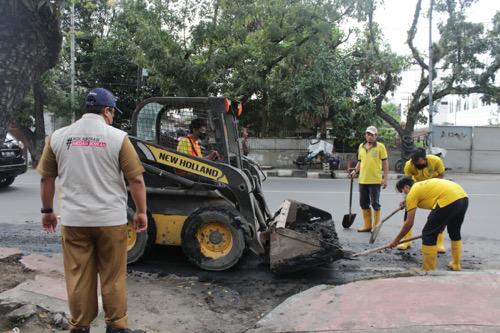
point(4, 182)
point(139, 243)
point(213, 239)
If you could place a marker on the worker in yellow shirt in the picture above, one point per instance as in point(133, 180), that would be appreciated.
point(448, 203)
point(372, 158)
point(190, 143)
point(422, 167)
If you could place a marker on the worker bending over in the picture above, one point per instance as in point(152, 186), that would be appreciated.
point(421, 167)
point(448, 203)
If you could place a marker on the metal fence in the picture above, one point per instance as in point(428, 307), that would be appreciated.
point(469, 149)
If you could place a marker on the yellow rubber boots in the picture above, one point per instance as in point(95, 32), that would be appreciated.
point(376, 218)
point(429, 258)
point(367, 221)
point(405, 246)
point(440, 243)
point(456, 253)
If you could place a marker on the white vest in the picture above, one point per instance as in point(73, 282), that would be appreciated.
point(92, 187)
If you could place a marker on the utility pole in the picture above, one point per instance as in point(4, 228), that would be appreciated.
point(139, 85)
point(431, 109)
point(72, 60)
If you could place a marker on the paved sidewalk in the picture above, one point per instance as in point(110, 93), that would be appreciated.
point(440, 302)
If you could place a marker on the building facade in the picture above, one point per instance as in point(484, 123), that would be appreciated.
point(466, 111)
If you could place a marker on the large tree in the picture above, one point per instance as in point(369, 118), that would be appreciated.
point(30, 41)
point(465, 53)
point(255, 51)
point(262, 40)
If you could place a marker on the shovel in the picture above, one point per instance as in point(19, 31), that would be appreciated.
point(378, 249)
point(348, 219)
point(376, 230)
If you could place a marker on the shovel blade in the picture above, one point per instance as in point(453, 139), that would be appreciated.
point(348, 220)
point(302, 237)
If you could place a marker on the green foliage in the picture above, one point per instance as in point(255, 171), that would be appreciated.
point(392, 110)
point(55, 94)
point(287, 60)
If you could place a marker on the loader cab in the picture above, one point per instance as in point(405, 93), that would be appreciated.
point(165, 120)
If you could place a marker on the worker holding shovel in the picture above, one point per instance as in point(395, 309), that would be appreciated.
point(372, 158)
point(421, 167)
point(448, 203)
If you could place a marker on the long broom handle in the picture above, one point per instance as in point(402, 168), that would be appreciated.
point(377, 249)
point(350, 197)
point(391, 214)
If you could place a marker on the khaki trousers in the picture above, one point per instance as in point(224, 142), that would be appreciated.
point(89, 251)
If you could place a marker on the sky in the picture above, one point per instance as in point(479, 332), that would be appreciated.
point(395, 17)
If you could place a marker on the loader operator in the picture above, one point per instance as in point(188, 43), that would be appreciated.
point(448, 203)
point(422, 167)
point(372, 158)
point(190, 143)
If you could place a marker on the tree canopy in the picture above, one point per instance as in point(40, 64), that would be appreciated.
point(298, 66)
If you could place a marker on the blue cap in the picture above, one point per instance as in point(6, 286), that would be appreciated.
point(101, 97)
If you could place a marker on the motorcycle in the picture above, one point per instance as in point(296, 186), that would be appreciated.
point(319, 152)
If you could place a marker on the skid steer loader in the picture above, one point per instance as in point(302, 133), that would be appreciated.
point(215, 210)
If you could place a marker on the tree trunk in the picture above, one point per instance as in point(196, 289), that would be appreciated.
point(407, 144)
point(264, 119)
point(39, 140)
point(30, 139)
point(30, 40)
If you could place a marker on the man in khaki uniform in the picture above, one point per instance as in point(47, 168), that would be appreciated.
point(372, 158)
point(423, 167)
point(89, 158)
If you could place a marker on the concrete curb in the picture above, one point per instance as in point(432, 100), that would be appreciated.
point(315, 174)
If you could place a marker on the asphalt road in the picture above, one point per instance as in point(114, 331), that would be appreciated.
point(20, 204)
point(332, 196)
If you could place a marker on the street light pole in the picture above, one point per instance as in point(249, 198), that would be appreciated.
point(431, 109)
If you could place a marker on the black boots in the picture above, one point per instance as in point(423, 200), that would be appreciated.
point(80, 330)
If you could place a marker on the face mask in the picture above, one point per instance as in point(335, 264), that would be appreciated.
point(420, 166)
point(202, 135)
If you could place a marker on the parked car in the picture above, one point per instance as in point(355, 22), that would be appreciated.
point(12, 162)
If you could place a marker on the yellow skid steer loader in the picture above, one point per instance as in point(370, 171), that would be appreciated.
point(215, 210)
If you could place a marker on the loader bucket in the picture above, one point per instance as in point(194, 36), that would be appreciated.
point(302, 236)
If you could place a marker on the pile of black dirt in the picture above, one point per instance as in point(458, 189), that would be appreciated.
point(316, 225)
